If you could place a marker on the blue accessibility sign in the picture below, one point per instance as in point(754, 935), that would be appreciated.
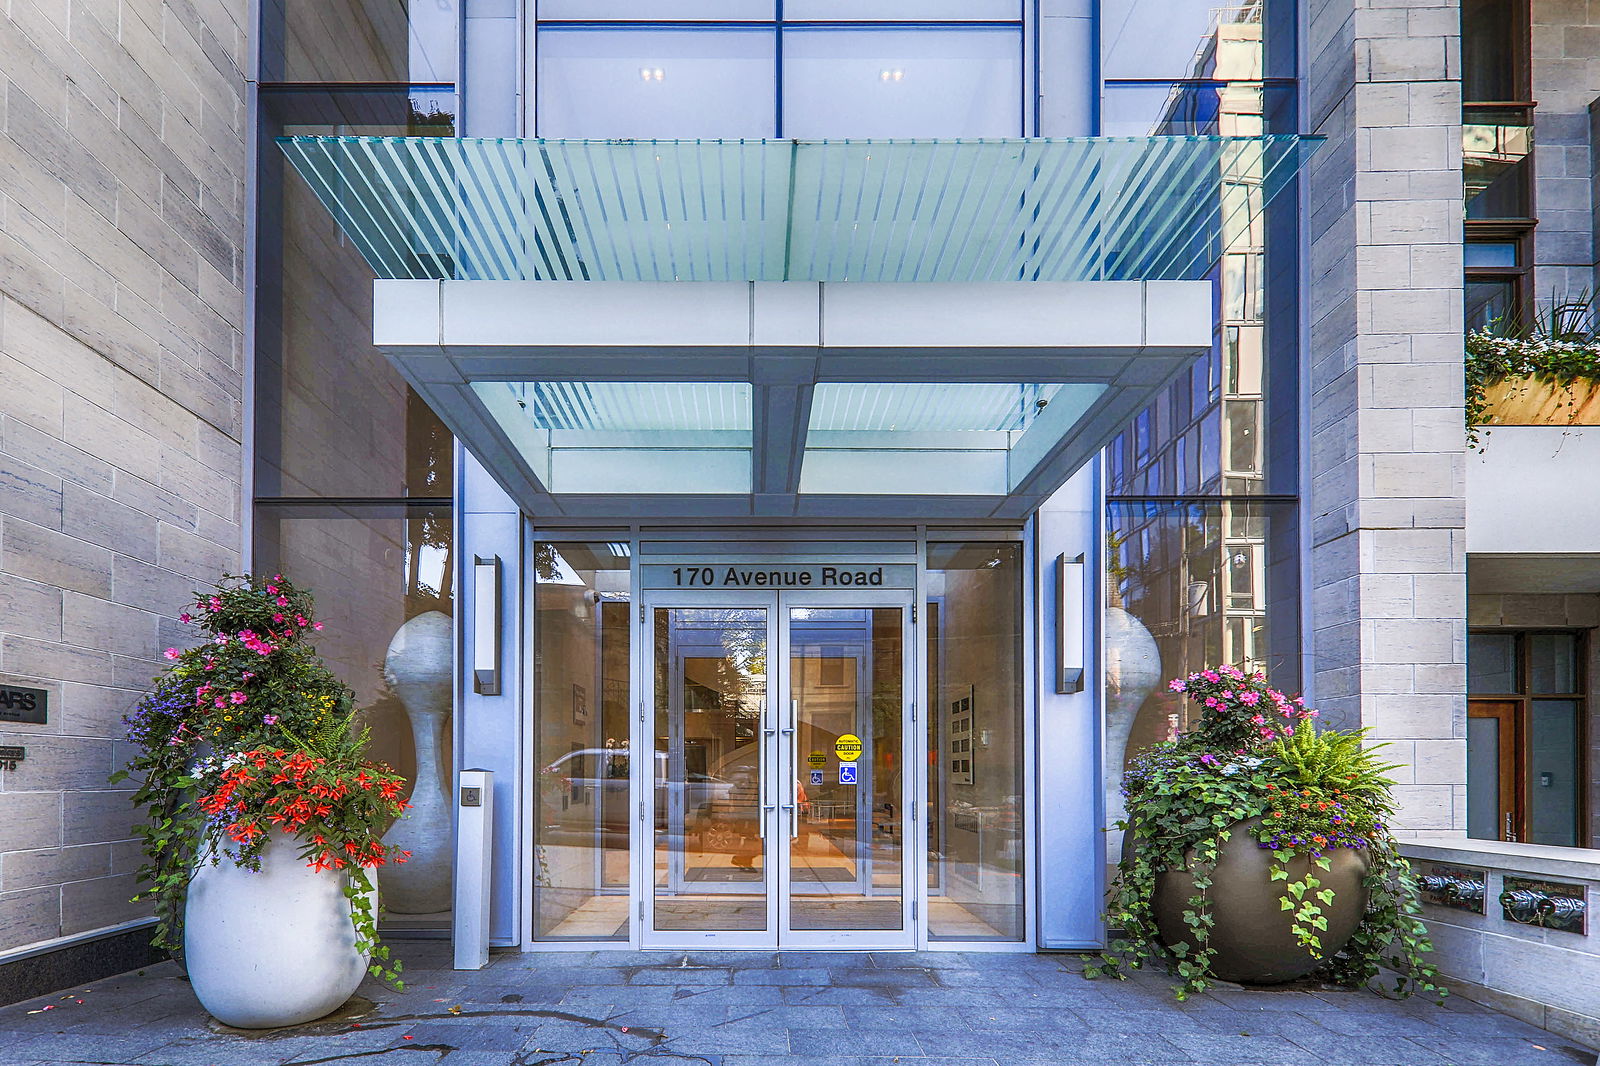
point(847, 773)
point(816, 777)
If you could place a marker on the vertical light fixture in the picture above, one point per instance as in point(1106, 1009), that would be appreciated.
point(486, 625)
point(1069, 624)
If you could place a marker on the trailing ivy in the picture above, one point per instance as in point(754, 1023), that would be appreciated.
point(1257, 764)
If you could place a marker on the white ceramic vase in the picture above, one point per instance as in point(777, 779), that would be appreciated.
point(271, 947)
point(417, 668)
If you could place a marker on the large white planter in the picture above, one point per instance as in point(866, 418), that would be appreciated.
point(274, 947)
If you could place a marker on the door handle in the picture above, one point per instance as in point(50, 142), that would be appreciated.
point(793, 806)
point(1511, 833)
point(763, 789)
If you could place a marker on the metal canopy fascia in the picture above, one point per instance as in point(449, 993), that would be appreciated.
point(784, 339)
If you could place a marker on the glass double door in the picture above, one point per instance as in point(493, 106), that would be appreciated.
point(780, 779)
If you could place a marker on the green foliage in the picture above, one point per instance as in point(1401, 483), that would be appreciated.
point(1561, 346)
point(252, 685)
point(1302, 794)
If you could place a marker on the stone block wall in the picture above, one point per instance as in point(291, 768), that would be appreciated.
point(1387, 481)
point(123, 131)
point(1566, 81)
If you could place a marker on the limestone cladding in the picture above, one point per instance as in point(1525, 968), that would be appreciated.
point(122, 223)
point(1384, 211)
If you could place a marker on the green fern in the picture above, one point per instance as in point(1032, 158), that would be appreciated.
point(1336, 759)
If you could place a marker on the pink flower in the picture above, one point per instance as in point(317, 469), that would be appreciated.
point(300, 620)
point(247, 675)
point(272, 589)
point(1177, 685)
point(171, 653)
point(237, 698)
point(277, 577)
point(283, 601)
point(220, 703)
point(269, 719)
point(277, 618)
point(316, 625)
point(185, 617)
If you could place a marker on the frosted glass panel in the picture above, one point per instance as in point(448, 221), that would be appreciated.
point(1553, 773)
point(1483, 778)
point(903, 10)
point(902, 83)
point(602, 83)
point(657, 10)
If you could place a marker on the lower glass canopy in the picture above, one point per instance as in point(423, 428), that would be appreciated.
point(949, 438)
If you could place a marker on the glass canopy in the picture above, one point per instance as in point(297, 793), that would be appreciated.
point(1074, 209)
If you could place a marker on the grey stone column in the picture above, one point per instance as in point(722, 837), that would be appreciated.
point(1386, 442)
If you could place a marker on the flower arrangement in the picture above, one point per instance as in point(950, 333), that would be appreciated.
point(1560, 345)
point(1256, 763)
point(248, 734)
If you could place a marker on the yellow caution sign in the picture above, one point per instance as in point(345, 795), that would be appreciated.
point(848, 748)
point(817, 760)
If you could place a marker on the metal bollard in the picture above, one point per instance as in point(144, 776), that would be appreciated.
point(474, 844)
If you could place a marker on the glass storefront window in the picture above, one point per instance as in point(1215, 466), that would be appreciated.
point(382, 575)
point(976, 842)
point(580, 742)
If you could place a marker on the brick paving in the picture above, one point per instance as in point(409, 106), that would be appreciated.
point(788, 1009)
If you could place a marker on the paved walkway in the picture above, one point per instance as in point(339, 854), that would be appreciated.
point(793, 1009)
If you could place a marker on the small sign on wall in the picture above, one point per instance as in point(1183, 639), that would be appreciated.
point(31, 706)
point(9, 757)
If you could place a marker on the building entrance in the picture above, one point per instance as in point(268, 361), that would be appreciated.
point(779, 727)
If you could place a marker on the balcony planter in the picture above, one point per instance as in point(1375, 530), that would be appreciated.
point(1252, 936)
point(1256, 851)
point(1534, 401)
point(1546, 378)
point(274, 946)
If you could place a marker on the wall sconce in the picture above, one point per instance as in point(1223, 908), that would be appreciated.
point(486, 625)
point(1069, 624)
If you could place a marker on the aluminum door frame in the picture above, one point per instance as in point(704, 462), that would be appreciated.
point(779, 761)
point(643, 740)
point(906, 937)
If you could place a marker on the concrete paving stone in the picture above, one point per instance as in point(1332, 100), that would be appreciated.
point(921, 960)
point(974, 978)
point(840, 1042)
point(682, 976)
point(786, 976)
point(1142, 1020)
point(1507, 1051)
point(914, 1019)
point(671, 1015)
point(473, 1037)
point(740, 995)
point(79, 1047)
point(1263, 1000)
point(1225, 1049)
point(817, 1016)
point(837, 994)
point(957, 997)
point(1020, 1019)
point(905, 978)
point(727, 1040)
point(1342, 1049)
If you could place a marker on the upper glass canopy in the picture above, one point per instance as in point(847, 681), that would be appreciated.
point(1075, 209)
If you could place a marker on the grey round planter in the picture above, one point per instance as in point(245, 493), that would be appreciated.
point(1252, 934)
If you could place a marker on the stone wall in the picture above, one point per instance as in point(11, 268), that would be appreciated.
point(122, 194)
point(1566, 80)
point(1384, 213)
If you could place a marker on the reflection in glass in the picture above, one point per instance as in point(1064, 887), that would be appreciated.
point(846, 670)
point(331, 41)
point(710, 861)
point(333, 417)
point(1492, 666)
point(976, 853)
point(860, 82)
point(1489, 300)
point(1552, 663)
point(1496, 164)
point(607, 82)
point(1191, 585)
point(382, 575)
point(580, 730)
point(1554, 764)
